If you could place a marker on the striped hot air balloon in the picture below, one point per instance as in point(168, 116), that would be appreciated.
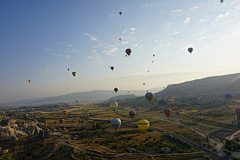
point(149, 96)
point(167, 112)
point(238, 110)
point(74, 73)
point(143, 125)
point(62, 121)
point(228, 97)
point(65, 112)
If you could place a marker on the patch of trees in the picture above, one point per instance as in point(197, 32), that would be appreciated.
point(179, 140)
point(231, 145)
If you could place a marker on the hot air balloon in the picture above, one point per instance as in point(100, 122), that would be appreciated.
point(94, 92)
point(125, 55)
point(68, 69)
point(169, 99)
point(167, 112)
point(184, 101)
point(152, 61)
point(114, 105)
point(116, 123)
point(62, 121)
point(76, 101)
point(108, 109)
point(132, 114)
point(64, 112)
point(120, 39)
point(128, 51)
point(137, 108)
point(149, 96)
point(112, 68)
point(154, 55)
point(120, 13)
point(90, 104)
point(31, 109)
point(143, 83)
point(25, 115)
point(238, 110)
point(221, 1)
point(29, 81)
point(228, 97)
point(143, 125)
point(21, 110)
point(172, 100)
point(190, 49)
point(115, 89)
point(74, 74)
point(65, 103)
point(148, 70)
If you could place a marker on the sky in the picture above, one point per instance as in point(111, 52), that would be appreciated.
point(40, 40)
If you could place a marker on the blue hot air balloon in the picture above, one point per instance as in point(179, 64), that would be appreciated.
point(228, 97)
point(184, 101)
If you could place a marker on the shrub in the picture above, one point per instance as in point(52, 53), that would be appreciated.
point(29, 154)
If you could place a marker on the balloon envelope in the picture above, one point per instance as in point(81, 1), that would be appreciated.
point(116, 123)
point(62, 121)
point(190, 49)
point(74, 74)
point(112, 68)
point(167, 112)
point(228, 97)
point(64, 112)
point(113, 105)
point(143, 125)
point(184, 101)
point(169, 99)
point(29, 81)
point(115, 89)
point(149, 96)
point(238, 110)
point(120, 13)
point(132, 114)
point(128, 51)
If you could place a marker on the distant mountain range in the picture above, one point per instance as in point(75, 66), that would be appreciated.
point(82, 97)
point(210, 85)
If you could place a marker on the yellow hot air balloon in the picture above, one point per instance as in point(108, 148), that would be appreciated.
point(113, 105)
point(143, 125)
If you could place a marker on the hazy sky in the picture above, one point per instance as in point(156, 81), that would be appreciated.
point(40, 40)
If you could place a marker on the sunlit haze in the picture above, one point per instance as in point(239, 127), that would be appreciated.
point(40, 40)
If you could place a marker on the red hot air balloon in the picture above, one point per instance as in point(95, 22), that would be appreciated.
point(65, 103)
point(65, 112)
point(29, 81)
point(167, 112)
point(169, 99)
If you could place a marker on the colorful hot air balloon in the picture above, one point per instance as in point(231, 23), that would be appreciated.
point(29, 81)
point(116, 123)
point(128, 51)
point(190, 49)
point(184, 101)
point(64, 112)
point(120, 13)
point(115, 89)
point(167, 112)
point(132, 114)
point(228, 97)
point(62, 121)
point(238, 110)
point(90, 104)
point(113, 105)
point(149, 96)
point(169, 99)
point(112, 68)
point(143, 125)
point(74, 74)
